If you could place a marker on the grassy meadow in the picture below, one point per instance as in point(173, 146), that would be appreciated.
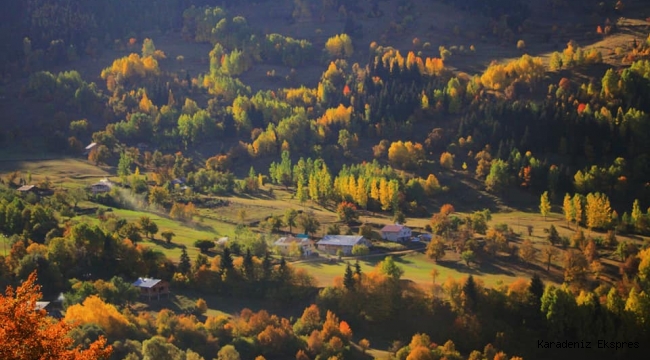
point(214, 223)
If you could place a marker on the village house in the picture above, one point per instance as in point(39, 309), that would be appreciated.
point(284, 245)
point(331, 244)
point(90, 148)
point(28, 188)
point(52, 308)
point(103, 186)
point(396, 233)
point(152, 288)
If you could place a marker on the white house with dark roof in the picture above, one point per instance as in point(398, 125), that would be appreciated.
point(152, 287)
point(333, 243)
point(396, 232)
point(284, 244)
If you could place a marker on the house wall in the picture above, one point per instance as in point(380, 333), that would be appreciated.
point(155, 292)
point(307, 249)
point(333, 249)
point(284, 249)
point(403, 234)
point(390, 236)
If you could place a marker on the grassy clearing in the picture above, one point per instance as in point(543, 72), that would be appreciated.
point(62, 172)
point(186, 234)
point(274, 200)
point(182, 301)
point(417, 268)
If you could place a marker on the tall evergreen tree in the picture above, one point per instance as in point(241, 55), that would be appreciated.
point(357, 269)
point(248, 266)
point(226, 260)
point(536, 289)
point(348, 278)
point(184, 265)
point(470, 294)
point(267, 266)
point(283, 271)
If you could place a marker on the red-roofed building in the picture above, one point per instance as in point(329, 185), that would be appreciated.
point(396, 232)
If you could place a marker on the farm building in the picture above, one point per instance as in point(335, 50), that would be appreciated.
point(284, 244)
point(28, 188)
point(152, 288)
point(103, 186)
point(333, 243)
point(90, 148)
point(396, 232)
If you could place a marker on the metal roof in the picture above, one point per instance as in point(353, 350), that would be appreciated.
point(287, 240)
point(341, 240)
point(393, 228)
point(41, 305)
point(146, 282)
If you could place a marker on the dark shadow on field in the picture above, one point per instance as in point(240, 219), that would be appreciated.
point(260, 195)
point(183, 301)
point(199, 226)
point(165, 244)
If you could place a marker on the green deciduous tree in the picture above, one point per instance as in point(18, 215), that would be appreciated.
point(204, 245)
point(468, 256)
point(290, 216)
point(149, 227)
point(308, 223)
point(498, 178)
point(168, 235)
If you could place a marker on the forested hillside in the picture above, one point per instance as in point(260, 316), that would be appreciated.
point(180, 139)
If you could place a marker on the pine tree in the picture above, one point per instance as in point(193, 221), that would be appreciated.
point(266, 266)
point(553, 236)
point(248, 265)
point(536, 288)
point(184, 265)
point(470, 294)
point(283, 272)
point(226, 262)
point(357, 269)
point(348, 278)
point(544, 205)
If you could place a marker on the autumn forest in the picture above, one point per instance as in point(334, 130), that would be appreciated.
point(324, 179)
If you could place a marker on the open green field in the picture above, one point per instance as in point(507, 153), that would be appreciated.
point(274, 200)
point(417, 268)
point(186, 233)
point(61, 172)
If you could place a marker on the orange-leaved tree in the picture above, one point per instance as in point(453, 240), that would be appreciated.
point(28, 333)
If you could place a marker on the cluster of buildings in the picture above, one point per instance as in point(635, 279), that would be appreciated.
point(331, 244)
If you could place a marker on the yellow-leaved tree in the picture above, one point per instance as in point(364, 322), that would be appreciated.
point(95, 311)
